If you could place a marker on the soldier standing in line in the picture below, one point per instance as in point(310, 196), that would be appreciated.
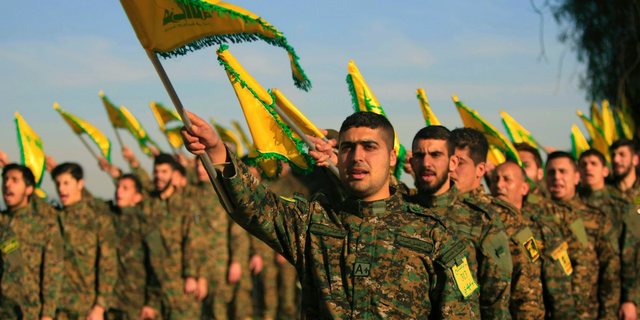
point(532, 162)
point(626, 221)
point(32, 251)
point(595, 281)
point(624, 160)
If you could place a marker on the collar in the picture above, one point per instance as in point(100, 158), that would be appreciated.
point(20, 211)
point(593, 194)
point(475, 193)
point(378, 208)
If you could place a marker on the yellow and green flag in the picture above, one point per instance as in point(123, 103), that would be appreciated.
point(598, 141)
point(517, 132)
point(596, 116)
point(117, 121)
point(609, 127)
point(80, 126)
point(364, 101)
point(578, 142)
point(164, 116)
point(243, 136)
point(174, 28)
point(295, 115)
point(137, 131)
point(472, 119)
point(626, 117)
point(271, 137)
point(31, 152)
point(226, 135)
point(429, 117)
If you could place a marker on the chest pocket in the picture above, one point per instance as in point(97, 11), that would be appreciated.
point(498, 249)
point(577, 227)
point(328, 256)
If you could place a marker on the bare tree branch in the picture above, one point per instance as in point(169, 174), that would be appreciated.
point(543, 54)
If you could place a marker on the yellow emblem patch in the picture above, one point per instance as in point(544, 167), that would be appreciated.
point(287, 199)
point(464, 279)
point(560, 254)
point(532, 248)
point(10, 245)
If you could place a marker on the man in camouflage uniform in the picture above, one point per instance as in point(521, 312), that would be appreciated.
point(624, 160)
point(595, 279)
point(532, 163)
point(626, 221)
point(31, 251)
point(525, 301)
point(90, 248)
point(174, 216)
point(371, 256)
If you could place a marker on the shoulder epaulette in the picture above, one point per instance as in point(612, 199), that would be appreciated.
point(505, 205)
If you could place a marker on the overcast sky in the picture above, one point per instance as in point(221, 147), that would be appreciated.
point(485, 52)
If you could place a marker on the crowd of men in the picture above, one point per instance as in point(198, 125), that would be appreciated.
point(557, 240)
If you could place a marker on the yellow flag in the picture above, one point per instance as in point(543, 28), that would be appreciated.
point(229, 136)
point(174, 28)
point(495, 155)
point(174, 137)
point(517, 132)
point(429, 117)
point(628, 115)
point(272, 138)
point(80, 126)
point(163, 116)
point(114, 114)
point(31, 152)
point(271, 168)
point(596, 116)
point(624, 129)
point(364, 101)
point(578, 143)
point(295, 115)
point(472, 119)
point(598, 141)
point(137, 131)
point(609, 123)
point(243, 136)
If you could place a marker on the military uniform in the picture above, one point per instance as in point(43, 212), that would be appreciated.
point(626, 220)
point(359, 259)
point(240, 252)
point(591, 238)
point(526, 287)
point(90, 257)
point(556, 267)
point(140, 264)
point(632, 194)
point(32, 264)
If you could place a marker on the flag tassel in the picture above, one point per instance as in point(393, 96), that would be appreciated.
point(206, 160)
point(303, 136)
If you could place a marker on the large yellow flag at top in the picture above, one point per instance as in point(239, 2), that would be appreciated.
point(609, 128)
point(472, 119)
point(295, 115)
point(80, 126)
point(31, 152)
point(364, 101)
point(429, 117)
point(174, 28)
point(598, 141)
point(164, 116)
point(272, 138)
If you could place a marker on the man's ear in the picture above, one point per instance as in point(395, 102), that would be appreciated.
point(525, 188)
point(635, 159)
point(576, 181)
point(137, 198)
point(80, 184)
point(540, 174)
point(454, 161)
point(394, 157)
point(605, 172)
point(481, 169)
point(29, 190)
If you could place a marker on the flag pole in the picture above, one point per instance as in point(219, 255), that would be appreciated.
point(303, 136)
point(206, 160)
point(93, 153)
point(120, 142)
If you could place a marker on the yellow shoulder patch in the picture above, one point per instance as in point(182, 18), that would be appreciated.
point(532, 248)
point(10, 245)
point(287, 199)
point(464, 279)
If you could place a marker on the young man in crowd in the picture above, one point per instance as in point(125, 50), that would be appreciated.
point(624, 160)
point(532, 162)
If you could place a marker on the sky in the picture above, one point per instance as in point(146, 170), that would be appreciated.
point(485, 52)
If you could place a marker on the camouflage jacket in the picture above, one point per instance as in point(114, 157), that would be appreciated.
point(626, 220)
point(556, 267)
point(32, 263)
point(90, 270)
point(526, 287)
point(632, 194)
point(145, 179)
point(592, 240)
point(140, 260)
point(173, 217)
point(359, 259)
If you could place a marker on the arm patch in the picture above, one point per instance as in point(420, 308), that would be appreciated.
point(498, 249)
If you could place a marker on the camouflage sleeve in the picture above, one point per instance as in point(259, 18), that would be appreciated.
point(107, 264)
point(629, 257)
point(238, 243)
point(154, 262)
point(608, 251)
point(52, 272)
point(494, 273)
point(190, 262)
point(145, 179)
point(280, 222)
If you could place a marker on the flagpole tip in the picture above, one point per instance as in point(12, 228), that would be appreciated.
point(101, 94)
point(455, 98)
point(56, 106)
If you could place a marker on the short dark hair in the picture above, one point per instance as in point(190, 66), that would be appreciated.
point(594, 152)
point(164, 158)
point(372, 121)
point(27, 174)
point(180, 168)
point(68, 167)
point(562, 154)
point(623, 143)
point(473, 139)
point(525, 147)
point(435, 133)
point(135, 180)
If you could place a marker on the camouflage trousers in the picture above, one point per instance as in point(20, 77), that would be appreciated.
point(70, 315)
point(177, 305)
point(216, 304)
point(267, 286)
point(287, 291)
point(242, 304)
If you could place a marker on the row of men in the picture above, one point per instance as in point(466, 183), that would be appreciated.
point(447, 249)
point(163, 249)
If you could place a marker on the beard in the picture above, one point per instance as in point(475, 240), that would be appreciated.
point(624, 173)
point(166, 186)
point(432, 187)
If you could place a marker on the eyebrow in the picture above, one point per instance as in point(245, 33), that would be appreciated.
point(350, 143)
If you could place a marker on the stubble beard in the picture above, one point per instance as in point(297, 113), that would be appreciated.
point(429, 189)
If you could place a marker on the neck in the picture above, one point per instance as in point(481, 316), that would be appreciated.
point(23, 204)
point(566, 198)
point(596, 187)
point(628, 181)
point(166, 193)
point(445, 187)
point(519, 204)
point(382, 194)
